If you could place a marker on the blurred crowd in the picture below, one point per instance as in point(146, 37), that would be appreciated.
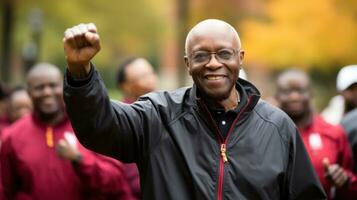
point(42, 159)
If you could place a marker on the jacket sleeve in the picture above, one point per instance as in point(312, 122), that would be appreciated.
point(346, 162)
point(102, 176)
point(115, 129)
point(303, 182)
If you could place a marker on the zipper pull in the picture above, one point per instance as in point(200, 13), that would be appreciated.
point(223, 153)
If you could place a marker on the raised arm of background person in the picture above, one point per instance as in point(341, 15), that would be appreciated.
point(302, 180)
point(116, 129)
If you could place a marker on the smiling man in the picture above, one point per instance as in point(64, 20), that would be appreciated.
point(31, 168)
point(214, 140)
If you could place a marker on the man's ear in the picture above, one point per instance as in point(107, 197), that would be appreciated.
point(187, 63)
point(241, 57)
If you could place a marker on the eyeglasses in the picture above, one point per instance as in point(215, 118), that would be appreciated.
point(222, 56)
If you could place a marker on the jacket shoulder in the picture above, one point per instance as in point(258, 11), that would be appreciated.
point(166, 97)
point(171, 104)
point(272, 114)
point(19, 126)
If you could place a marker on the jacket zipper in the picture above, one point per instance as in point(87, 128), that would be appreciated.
point(223, 150)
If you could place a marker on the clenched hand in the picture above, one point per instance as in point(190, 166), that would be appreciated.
point(81, 44)
point(335, 173)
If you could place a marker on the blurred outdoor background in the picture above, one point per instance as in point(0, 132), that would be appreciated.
point(319, 36)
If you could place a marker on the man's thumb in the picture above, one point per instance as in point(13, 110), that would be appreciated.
point(326, 163)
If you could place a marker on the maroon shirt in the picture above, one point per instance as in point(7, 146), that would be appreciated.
point(31, 169)
point(324, 140)
point(4, 122)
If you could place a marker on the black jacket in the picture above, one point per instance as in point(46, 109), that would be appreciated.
point(179, 151)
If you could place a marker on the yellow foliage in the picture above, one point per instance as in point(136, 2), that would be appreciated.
point(301, 33)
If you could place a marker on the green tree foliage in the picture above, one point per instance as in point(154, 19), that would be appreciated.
point(126, 27)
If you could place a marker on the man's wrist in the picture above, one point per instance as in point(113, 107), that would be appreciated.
point(77, 159)
point(79, 71)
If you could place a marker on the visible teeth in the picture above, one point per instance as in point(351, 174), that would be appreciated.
point(214, 77)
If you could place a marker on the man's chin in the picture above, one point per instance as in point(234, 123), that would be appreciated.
point(295, 114)
point(49, 112)
point(216, 95)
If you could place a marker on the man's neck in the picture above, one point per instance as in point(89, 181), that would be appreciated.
point(228, 104)
point(52, 119)
point(303, 121)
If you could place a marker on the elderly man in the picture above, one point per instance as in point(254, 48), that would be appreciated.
point(215, 140)
point(31, 155)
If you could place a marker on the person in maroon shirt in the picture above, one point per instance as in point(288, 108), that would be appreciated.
point(326, 144)
point(32, 164)
point(135, 77)
point(20, 104)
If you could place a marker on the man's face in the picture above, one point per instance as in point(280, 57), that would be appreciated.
point(45, 90)
point(293, 96)
point(350, 96)
point(215, 78)
point(140, 78)
point(20, 104)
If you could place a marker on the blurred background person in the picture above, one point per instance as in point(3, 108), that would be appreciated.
point(326, 144)
point(30, 166)
point(135, 77)
point(20, 104)
point(347, 86)
point(340, 105)
point(349, 123)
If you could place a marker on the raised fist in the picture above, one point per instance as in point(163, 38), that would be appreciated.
point(81, 44)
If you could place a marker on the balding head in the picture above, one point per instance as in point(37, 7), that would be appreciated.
point(213, 59)
point(292, 75)
point(42, 69)
point(212, 27)
point(19, 104)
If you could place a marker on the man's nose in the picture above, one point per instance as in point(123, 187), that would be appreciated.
point(47, 90)
point(213, 63)
point(294, 95)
